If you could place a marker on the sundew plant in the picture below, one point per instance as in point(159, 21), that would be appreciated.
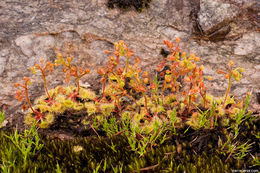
point(148, 108)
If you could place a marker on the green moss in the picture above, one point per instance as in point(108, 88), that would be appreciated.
point(199, 153)
point(139, 5)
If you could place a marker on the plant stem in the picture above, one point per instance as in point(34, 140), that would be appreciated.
point(189, 102)
point(228, 90)
point(127, 63)
point(145, 105)
point(45, 83)
point(78, 83)
point(177, 90)
point(28, 101)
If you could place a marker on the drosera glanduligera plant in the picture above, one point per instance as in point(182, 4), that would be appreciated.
point(122, 80)
point(56, 100)
point(23, 95)
point(183, 66)
point(70, 70)
point(44, 69)
point(149, 102)
point(152, 111)
point(229, 75)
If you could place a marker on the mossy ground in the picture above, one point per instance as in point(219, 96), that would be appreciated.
point(192, 151)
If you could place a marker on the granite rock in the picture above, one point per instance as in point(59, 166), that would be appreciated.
point(32, 30)
point(215, 14)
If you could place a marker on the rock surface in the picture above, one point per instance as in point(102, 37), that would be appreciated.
point(214, 14)
point(31, 30)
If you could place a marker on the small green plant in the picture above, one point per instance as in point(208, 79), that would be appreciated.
point(58, 170)
point(8, 161)
point(256, 160)
point(27, 143)
point(242, 116)
point(2, 118)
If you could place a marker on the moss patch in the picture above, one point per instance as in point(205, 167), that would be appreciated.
point(139, 5)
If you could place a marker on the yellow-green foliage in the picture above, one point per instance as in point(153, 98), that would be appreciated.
point(63, 100)
point(91, 108)
point(106, 108)
point(78, 106)
point(87, 94)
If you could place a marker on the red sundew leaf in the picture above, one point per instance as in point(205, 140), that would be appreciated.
point(177, 39)
point(153, 86)
point(171, 58)
point(167, 78)
point(231, 63)
point(107, 51)
point(37, 66)
point(17, 85)
point(210, 78)
point(24, 107)
point(220, 72)
point(38, 117)
point(145, 74)
point(129, 53)
point(162, 74)
point(141, 89)
point(168, 72)
point(111, 58)
point(42, 61)
point(80, 70)
point(226, 76)
point(26, 79)
point(119, 71)
point(202, 84)
point(146, 80)
point(196, 59)
point(48, 63)
point(170, 45)
point(103, 80)
point(87, 71)
point(19, 95)
point(137, 60)
point(116, 53)
point(69, 59)
point(101, 71)
point(73, 73)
